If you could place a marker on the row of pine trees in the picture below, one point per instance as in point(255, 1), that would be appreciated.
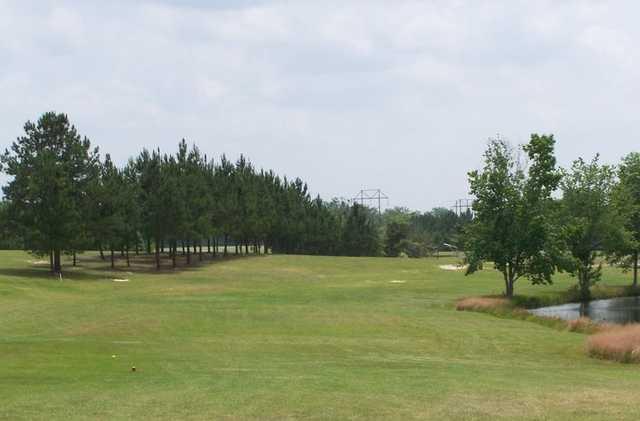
point(63, 198)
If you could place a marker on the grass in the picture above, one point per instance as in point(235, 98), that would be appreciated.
point(287, 337)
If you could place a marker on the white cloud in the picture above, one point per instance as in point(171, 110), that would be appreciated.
point(346, 94)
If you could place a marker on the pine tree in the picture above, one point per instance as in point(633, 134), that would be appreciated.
point(51, 168)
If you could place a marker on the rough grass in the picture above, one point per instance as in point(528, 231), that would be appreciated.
point(621, 343)
point(290, 337)
point(482, 304)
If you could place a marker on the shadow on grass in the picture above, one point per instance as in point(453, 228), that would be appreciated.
point(45, 274)
point(147, 263)
point(91, 267)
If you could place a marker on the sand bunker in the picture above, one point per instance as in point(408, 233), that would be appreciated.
point(452, 267)
point(395, 281)
point(120, 280)
point(39, 262)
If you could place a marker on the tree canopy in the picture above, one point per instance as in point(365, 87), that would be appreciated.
point(513, 223)
point(589, 224)
point(64, 198)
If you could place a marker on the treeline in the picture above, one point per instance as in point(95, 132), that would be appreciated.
point(533, 219)
point(63, 198)
point(415, 234)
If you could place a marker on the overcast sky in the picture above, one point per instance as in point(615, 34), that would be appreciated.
point(397, 95)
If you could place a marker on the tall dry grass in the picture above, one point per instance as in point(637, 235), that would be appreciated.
point(503, 307)
point(620, 343)
point(586, 325)
point(482, 303)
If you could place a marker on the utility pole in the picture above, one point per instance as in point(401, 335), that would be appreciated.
point(461, 204)
point(371, 195)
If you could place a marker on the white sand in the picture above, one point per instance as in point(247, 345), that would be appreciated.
point(120, 280)
point(452, 267)
point(395, 281)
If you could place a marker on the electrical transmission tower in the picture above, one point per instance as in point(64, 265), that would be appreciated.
point(462, 206)
point(371, 195)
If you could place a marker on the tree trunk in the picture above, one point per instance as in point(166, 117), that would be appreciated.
point(157, 255)
point(174, 250)
point(246, 247)
point(51, 260)
point(225, 245)
point(149, 245)
point(112, 261)
point(183, 251)
point(583, 279)
point(57, 267)
point(127, 256)
point(508, 283)
point(209, 245)
point(635, 268)
point(137, 248)
point(215, 247)
point(200, 250)
point(74, 259)
point(101, 252)
point(188, 253)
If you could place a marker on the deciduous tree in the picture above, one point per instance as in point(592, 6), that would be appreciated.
point(513, 225)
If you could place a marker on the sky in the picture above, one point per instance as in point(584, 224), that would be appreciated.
point(396, 95)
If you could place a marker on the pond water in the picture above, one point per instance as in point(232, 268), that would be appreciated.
point(615, 310)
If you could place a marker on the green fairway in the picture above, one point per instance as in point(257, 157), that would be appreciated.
point(275, 337)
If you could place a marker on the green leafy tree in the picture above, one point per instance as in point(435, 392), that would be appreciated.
point(589, 222)
point(513, 225)
point(626, 202)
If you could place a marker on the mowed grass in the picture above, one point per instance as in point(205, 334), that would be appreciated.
point(277, 337)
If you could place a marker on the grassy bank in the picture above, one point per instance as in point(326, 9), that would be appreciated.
point(290, 337)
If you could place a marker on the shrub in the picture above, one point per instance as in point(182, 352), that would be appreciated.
point(616, 343)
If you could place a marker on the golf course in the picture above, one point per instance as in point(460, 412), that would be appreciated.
point(286, 337)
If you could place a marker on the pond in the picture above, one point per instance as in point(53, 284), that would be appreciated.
point(614, 310)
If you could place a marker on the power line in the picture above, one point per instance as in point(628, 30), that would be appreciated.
point(462, 206)
point(369, 195)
